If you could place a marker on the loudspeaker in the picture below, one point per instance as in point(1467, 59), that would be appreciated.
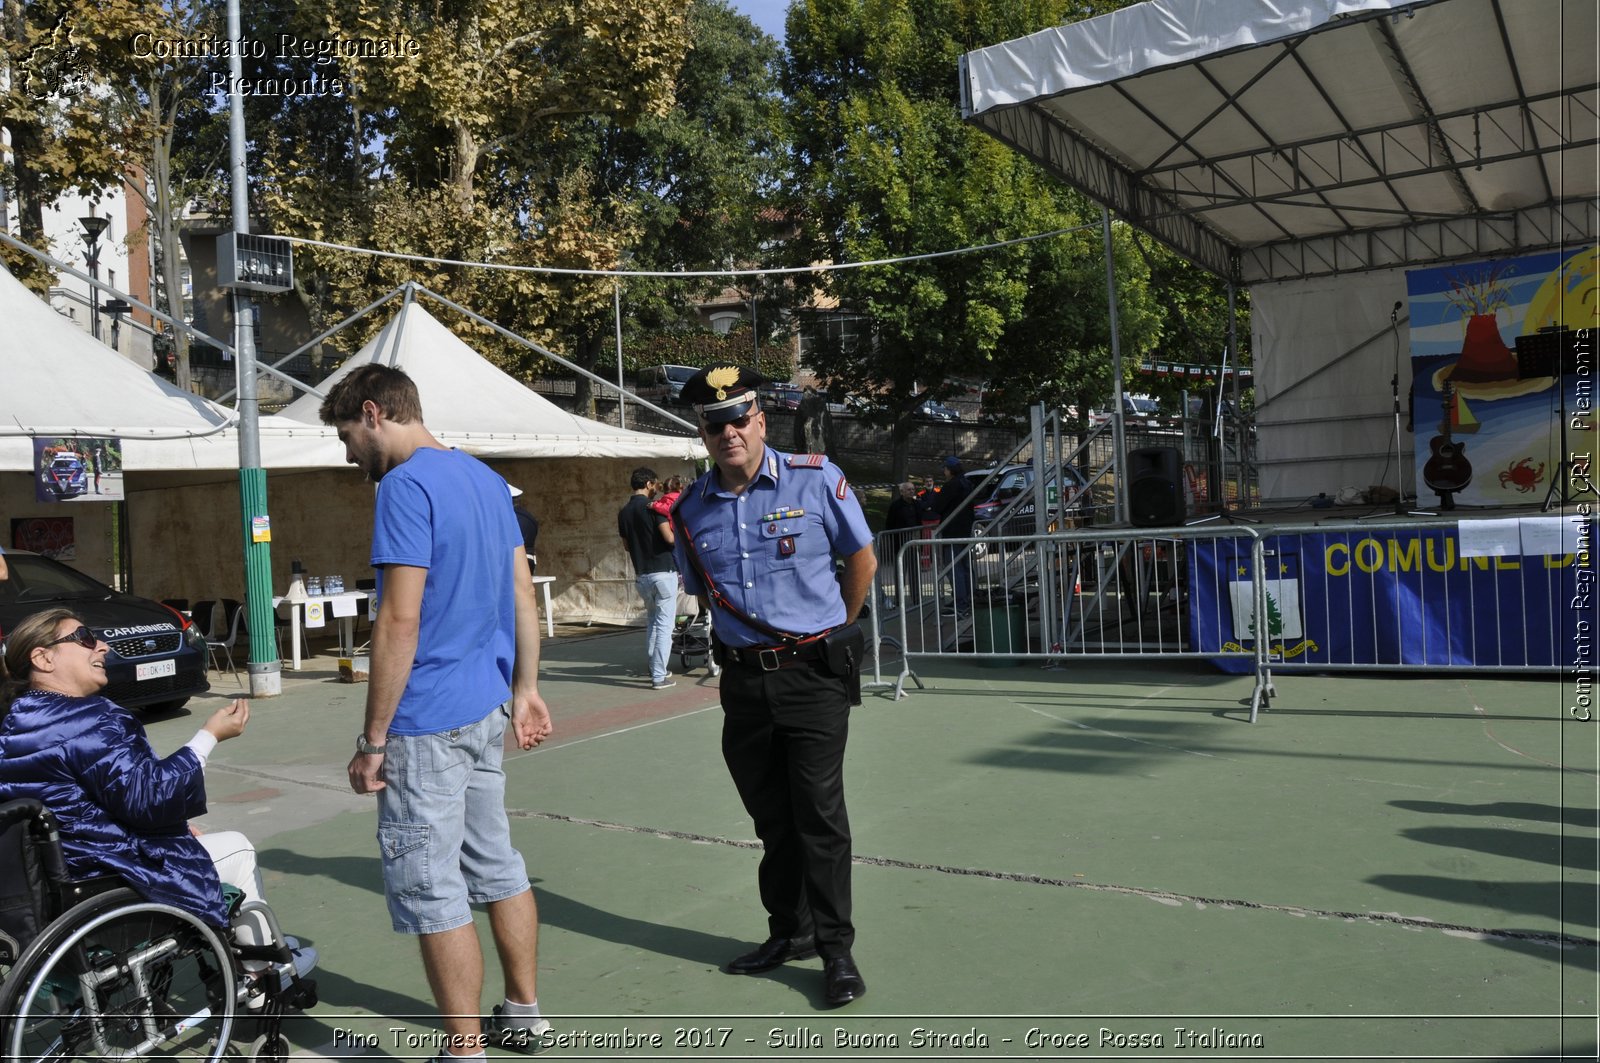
point(1155, 487)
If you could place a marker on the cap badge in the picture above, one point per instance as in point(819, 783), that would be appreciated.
point(722, 378)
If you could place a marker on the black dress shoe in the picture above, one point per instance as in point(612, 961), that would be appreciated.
point(842, 983)
point(774, 952)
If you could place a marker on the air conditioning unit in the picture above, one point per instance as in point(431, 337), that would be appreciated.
point(255, 263)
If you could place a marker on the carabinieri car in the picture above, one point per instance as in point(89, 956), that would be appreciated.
point(157, 658)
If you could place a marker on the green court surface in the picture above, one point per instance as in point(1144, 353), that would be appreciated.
point(1097, 862)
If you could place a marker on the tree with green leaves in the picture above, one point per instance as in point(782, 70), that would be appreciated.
point(64, 135)
point(885, 168)
point(698, 184)
point(449, 151)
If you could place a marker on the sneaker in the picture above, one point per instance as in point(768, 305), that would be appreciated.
point(663, 684)
point(524, 1039)
point(304, 958)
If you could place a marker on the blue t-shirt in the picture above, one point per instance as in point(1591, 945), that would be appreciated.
point(448, 512)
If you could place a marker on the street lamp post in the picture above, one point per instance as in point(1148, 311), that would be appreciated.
point(93, 227)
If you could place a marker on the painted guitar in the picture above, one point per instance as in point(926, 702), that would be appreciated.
point(1448, 470)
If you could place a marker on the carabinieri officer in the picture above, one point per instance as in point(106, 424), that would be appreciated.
point(756, 540)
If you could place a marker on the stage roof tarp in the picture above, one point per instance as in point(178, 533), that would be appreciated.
point(1301, 138)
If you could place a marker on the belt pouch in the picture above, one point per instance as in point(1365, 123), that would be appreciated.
point(841, 652)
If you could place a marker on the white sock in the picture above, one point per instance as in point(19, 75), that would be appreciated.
point(520, 1016)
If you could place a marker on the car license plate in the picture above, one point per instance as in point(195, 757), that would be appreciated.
point(155, 670)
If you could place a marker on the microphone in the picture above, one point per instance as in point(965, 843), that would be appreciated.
point(1394, 315)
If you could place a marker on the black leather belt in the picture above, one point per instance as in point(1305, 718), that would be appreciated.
point(771, 658)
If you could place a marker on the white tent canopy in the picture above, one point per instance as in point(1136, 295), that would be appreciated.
point(56, 380)
point(1314, 149)
point(466, 402)
point(469, 403)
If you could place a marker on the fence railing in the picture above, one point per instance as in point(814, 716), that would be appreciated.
point(1251, 599)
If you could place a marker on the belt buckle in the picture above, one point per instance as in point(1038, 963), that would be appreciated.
point(768, 655)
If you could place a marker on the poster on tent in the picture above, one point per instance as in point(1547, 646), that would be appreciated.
point(1502, 358)
point(77, 469)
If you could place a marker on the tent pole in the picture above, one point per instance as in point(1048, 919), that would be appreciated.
point(266, 675)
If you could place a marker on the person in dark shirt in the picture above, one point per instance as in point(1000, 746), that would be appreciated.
point(528, 524)
point(954, 505)
point(648, 536)
point(903, 523)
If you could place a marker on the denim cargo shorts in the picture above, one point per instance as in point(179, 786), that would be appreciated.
point(442, 826)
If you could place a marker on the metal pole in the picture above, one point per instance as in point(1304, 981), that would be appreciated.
point(266, 676)
point(1119, 437)
point(622, 398)
point(94, 289)
point(1229, 357)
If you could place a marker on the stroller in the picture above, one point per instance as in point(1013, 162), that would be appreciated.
point(691, 641)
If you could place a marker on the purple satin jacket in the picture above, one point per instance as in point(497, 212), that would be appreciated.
point(123, 810)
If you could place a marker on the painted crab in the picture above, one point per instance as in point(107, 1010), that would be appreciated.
point(1522, 475)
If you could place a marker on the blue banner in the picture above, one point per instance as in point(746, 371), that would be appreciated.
point(1403, 597)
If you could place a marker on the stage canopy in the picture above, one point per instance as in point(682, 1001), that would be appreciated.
point(1306, 137)
point(1314, 150)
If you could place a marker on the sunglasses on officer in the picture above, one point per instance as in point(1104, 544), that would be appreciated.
point(741, 423)
point(80, 634)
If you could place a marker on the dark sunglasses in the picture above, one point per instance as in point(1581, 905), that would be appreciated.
point(741, 423)
point(80, 634)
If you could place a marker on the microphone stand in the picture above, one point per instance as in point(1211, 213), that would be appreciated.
point(1394, 392)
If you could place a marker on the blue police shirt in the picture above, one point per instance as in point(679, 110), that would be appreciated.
point(771, 549)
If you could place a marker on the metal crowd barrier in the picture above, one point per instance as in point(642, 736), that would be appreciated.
point(1092, 593)
point(1400, 595)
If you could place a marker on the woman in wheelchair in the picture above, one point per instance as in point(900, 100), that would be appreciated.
point(121, 810)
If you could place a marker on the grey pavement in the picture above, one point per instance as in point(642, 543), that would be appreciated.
point(1103, 861)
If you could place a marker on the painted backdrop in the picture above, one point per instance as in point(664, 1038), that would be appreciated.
point(1490, 384)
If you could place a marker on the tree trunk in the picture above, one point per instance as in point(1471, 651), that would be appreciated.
point(164, 228)
point(587, 357)
point(464, 165)
point(24, 144)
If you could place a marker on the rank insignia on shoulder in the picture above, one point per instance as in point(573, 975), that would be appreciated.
point(807, 461)
point(842, 491)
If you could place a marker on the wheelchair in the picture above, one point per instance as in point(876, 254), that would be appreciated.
point(91, 970)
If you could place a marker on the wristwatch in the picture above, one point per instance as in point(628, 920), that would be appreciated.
point(363, 746)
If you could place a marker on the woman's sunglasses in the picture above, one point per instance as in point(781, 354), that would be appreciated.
point(80, 634)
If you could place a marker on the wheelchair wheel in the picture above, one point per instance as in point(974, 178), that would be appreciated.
point(268, 1048)
point(119, 977)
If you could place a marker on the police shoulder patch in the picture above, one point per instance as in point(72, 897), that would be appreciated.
point(842, 491)
point(807, 461)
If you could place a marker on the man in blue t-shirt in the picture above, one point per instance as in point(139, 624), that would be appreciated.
point(455, 657)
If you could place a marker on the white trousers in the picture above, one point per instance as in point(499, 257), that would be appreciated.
point(235, 858)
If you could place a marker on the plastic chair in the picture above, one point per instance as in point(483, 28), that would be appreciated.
point(201, 616)
point(214, 643)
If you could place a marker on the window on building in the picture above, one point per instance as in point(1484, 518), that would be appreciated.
point(835, 330)
point(722, 322)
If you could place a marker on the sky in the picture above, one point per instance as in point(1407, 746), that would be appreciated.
point(768, 14)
